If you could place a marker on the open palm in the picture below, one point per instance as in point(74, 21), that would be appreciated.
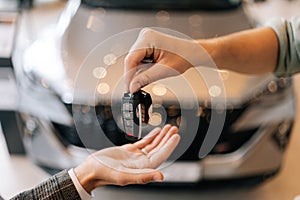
point(136, 163)
point(158, 144)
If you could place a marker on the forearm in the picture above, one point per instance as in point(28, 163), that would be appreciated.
point(59, 186)
point(252, 51)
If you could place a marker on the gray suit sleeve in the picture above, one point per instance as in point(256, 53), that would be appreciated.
point(59, 186)
point(288, 34)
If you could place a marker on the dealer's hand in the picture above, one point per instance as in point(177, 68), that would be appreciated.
point(131, 163)
point(171, 56)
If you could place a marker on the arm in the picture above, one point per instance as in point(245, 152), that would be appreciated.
point(59, 186)
point(275, 48)
point(252, 51)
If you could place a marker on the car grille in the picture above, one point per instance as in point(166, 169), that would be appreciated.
point(228, 142)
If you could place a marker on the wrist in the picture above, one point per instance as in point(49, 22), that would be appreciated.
point(87, 176)
point(211, 47)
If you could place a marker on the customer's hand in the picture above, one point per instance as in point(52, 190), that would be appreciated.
point(171, 56)
point(131, 163)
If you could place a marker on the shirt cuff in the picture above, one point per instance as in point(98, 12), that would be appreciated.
point(81, 191)
point(288, 34)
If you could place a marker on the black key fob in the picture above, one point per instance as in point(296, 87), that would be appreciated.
point(135, 111)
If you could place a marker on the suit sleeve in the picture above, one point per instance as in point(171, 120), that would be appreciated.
point(288, 34)
point(59, 186)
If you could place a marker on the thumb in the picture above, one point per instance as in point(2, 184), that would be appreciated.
point(139, 81)
point(155, 72)
point(156, 176)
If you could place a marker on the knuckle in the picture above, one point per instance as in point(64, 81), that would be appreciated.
point(122, 183)
point(130, 62)
point(121, 180)
point(128, 59)
point(143, 180)
point(146, 32)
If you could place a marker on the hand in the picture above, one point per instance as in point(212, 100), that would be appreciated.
point(171, 56)
point(131, 163)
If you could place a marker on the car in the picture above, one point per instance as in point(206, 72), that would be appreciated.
point(71, 112)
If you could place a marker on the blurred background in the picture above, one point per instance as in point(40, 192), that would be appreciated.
point(44, 43)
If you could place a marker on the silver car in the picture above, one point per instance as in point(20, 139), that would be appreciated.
point(253, 124)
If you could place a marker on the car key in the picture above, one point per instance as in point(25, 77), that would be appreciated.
point(135, 111)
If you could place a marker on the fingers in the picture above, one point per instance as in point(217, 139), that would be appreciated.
point(148, 139)
point(173, 130)
point(162, 146)
point(155, 72)
point(141, 49)
point(132, 60)
point(158, 138)
point(158, 156)
point(140, 80)
point(144, 47)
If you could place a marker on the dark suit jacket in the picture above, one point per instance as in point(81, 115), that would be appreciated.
point(59, 186)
